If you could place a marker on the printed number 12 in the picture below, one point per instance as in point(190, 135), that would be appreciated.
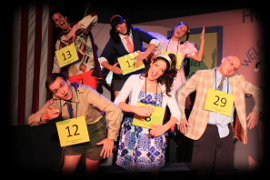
point(75, 133)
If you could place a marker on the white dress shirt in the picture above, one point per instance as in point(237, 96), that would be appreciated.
point(122, 37)
point(221, 120)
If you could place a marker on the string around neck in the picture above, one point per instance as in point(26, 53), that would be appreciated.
point(145, 87)
point(177, 45)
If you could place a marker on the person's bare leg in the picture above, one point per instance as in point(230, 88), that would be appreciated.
point(70, 164)
point(91, 167)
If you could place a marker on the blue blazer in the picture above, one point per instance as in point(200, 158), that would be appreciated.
point(139, 36)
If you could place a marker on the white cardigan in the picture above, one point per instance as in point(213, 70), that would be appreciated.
point(132, 88)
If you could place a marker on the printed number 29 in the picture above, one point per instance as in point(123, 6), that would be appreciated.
point(67, 54)
point(75, 133)
point(223, 101)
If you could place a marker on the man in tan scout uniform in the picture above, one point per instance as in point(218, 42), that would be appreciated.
point(73, 100)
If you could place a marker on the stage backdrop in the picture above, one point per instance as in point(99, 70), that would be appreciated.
point(31, 60)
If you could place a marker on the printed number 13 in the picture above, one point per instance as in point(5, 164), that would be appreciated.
point(68, 55)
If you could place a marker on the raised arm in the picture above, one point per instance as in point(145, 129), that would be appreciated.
point(198, 56)
point(86, 24)
point(47, 112)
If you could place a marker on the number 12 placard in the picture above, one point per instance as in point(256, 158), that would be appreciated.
point(219, 102)
point(72, 131)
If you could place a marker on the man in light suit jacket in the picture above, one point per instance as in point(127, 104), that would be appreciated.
point(213, 132)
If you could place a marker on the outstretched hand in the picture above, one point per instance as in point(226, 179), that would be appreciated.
point(107, 147)
point(143, 111)
point(141, 56)
point(72, 34)
point(158, 131)
point(253, 118)
point(116, 69)
point(50, 113)
point(202, 34)
point(182, 126)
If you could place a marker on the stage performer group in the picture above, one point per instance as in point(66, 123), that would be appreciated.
point(135, 120)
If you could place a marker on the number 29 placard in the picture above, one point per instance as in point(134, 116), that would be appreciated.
point(72, 131)
point(219, 102)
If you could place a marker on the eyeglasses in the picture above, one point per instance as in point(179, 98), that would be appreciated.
point(232, 64)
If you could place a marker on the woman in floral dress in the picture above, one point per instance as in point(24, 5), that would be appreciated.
point(143, 149)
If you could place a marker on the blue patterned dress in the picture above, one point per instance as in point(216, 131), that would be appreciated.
point(138, 150)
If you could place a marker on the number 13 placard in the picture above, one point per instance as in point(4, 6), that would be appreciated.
point(66, 55)
point(219, 102)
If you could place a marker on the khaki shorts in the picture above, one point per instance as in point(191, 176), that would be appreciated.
point(97, 132)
